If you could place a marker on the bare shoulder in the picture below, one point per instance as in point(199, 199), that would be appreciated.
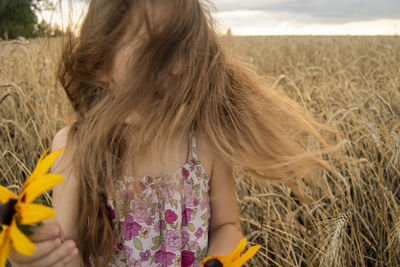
point(63, 165)
point(60, 139)
point(211, 160)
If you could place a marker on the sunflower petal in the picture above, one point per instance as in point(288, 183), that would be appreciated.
point(20, 242)
point(4, 252)
point(6, 195)
point(33, 174)
point(39, 186)
point(5, 245)
point(236, 252)
point(247, 255)
point(43, 165)
point(33, 213)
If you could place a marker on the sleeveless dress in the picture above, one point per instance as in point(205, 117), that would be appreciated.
point(167, 223)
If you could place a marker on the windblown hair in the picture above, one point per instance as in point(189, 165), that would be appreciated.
point(182, 79)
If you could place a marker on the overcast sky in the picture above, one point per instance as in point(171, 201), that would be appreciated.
point(310, 16)
point(302, 16)
point(322, 11)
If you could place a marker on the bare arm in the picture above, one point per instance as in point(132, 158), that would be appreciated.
point(65, 195)
point(225, 230)
point(48, 237)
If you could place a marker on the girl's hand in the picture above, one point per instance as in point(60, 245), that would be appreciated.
point(50, 251)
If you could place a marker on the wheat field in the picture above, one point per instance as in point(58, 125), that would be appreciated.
point(349, 83)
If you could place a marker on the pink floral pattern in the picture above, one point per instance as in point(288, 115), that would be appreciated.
point(170, 216)
point(145, 256)
point(130, 227)
point(167, 223)
point(139, 210)
point(188, 258)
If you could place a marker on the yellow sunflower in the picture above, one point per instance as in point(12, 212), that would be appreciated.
point(21, 209)
point(233, 259)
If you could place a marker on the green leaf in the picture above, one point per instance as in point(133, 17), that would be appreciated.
point(198, 250)
point(191, 227)
point(127, 203)
point(42, 201)
point(24, 229)
point(157, 240)
point(203, 253)
point(137, 243)
point(197, 187)
point(155, 247)
point(149, 198)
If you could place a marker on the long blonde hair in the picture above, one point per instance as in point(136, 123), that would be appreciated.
point(182, 79)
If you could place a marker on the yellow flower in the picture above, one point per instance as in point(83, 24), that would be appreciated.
point(178, 261)
point(20, 208)
point(145, 232)
point(234, 259)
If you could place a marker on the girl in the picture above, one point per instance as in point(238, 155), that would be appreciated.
point(163, 115)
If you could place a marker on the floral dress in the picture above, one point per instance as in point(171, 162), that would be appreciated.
point(167, 223)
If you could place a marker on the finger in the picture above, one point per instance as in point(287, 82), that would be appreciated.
point(67, 259)
point(45, 232)
point(42, 249)
point(66, 249)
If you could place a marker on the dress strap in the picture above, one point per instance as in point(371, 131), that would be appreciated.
point(194, 146)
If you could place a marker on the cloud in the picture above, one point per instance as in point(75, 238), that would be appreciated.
point(273, 23)
point(321, 11)
point(230, 5)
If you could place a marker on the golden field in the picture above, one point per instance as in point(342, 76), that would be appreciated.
point(349, 83)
